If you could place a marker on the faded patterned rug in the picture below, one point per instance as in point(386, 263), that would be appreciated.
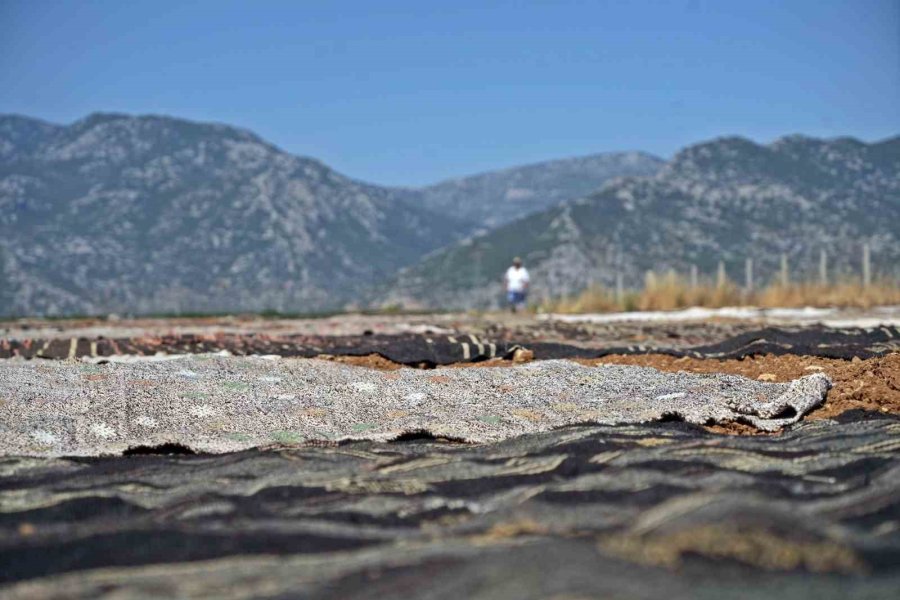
point(215, 404)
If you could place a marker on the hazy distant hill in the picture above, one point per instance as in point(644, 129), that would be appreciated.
point(725, 199)
point(138, 214)
point(155, 214)
point(497, 197)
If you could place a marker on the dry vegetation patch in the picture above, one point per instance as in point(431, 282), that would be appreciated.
point(670, 292)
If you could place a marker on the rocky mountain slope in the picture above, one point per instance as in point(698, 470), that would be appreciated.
point(116, 213)
point(727, 199)
point(154, 214)
point(494, 198)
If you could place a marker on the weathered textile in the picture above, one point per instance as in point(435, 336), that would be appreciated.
point(639, 511)
point(407, 349)
point(217, 404)
point(431, 350)
point(807, 341)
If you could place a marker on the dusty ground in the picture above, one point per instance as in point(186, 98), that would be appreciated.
point(372, 361)
point(872, 384)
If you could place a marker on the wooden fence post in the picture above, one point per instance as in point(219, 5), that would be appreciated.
point(823, 267)
point(620, 290)
point(748, 275)
point(785, 275)
point(867, 266)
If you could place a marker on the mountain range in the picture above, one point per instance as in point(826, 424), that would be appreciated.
point(152, 214)
point(498, 197)
point(727, 200)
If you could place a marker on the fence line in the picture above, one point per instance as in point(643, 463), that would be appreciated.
point(823, 267)
point(867, 266)
point(783, 275)
point(748, 274)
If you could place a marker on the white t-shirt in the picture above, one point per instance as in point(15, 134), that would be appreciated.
point(516, 279)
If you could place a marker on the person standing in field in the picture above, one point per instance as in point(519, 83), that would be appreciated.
point(516, 281)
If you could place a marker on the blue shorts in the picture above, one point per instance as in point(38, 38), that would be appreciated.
point(515, 297)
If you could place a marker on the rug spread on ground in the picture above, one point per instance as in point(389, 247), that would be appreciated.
point(222, 404)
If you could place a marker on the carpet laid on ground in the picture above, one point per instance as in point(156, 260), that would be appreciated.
point(221, 404)
point(818, 341)
point(663, 510)
point(434, 349)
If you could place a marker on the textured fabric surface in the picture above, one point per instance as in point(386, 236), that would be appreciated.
point(216, 404)
point(820, 341)
point(434, 349)
point(407, 349)
point(826, 342)
point(638, 511)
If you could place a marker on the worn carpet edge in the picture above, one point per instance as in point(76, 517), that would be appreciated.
point(65, 411)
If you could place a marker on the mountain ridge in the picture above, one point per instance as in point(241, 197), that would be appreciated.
point(725, 199)
point(496, 197)
point(147, 214)
point(152, 213)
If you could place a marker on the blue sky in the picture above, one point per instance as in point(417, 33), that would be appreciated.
point(413, 92)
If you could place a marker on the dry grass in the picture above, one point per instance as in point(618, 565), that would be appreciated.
point(839, 294)
point(670, 292)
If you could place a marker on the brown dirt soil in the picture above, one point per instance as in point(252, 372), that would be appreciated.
point(872, 384)
point(372, 361)
point(491, 362)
